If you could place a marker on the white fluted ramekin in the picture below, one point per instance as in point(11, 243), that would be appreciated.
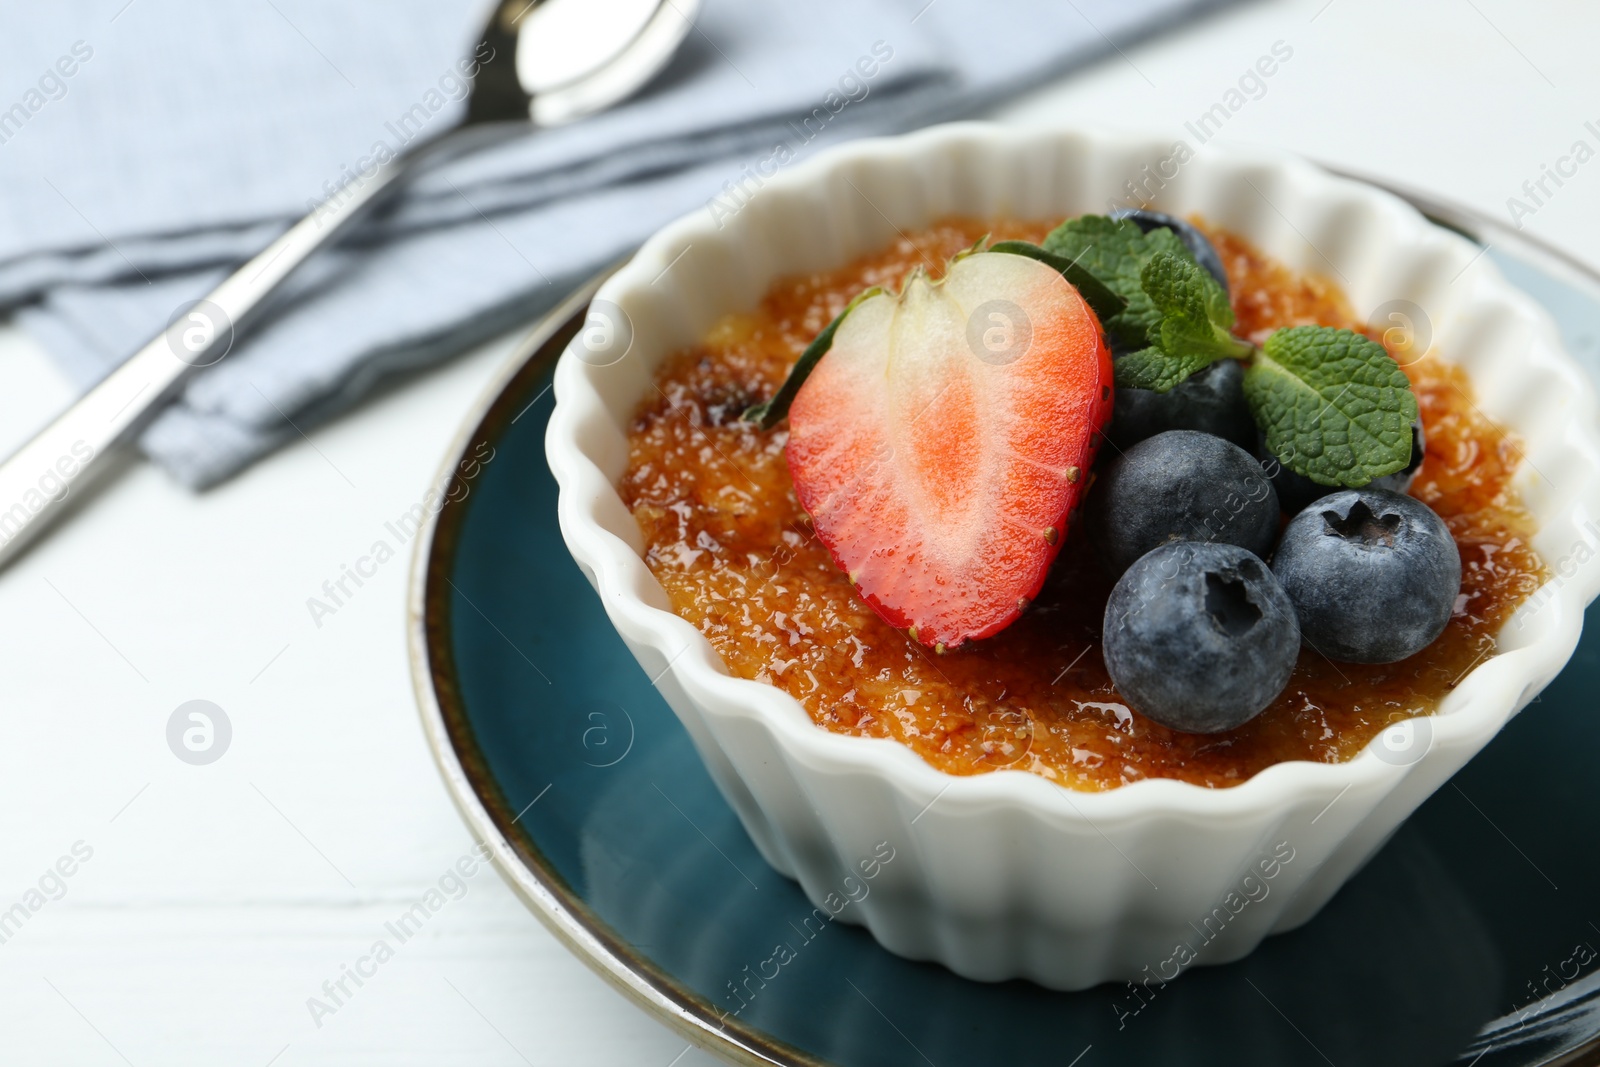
point(1005, 874)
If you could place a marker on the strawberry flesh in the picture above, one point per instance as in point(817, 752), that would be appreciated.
point(944, 439)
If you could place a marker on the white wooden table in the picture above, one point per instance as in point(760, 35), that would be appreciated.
point(219, 898)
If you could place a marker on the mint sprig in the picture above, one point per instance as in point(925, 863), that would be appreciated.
point(1116, 251)
point(1192, 331)
point(1333, 405)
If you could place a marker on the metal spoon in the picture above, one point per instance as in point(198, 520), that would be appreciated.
point(539, 63)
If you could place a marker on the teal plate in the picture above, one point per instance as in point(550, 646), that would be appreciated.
point(1467, 940)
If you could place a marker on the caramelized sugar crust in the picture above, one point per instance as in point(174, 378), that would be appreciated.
point(738, 558)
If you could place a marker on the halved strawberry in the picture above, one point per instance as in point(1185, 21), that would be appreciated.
point(942, 443)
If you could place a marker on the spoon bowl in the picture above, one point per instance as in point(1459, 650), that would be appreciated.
point(572, 58)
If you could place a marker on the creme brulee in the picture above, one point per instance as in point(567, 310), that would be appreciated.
point(738, 558)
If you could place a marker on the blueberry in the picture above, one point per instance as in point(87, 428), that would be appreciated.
point(1181, 485)
point(1373, 575)
point(1200, 637)
point(1211, 401)
point(1296, 492)
point(1198, 244)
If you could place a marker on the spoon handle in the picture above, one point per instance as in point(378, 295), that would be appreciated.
point(38, 480)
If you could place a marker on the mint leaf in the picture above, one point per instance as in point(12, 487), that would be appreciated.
point(774, 411)
point(1153, 369)
point(1193, 330)
point(1194, 309)
point(1333, 404)
point(1116, 251)
point(1101, 298)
